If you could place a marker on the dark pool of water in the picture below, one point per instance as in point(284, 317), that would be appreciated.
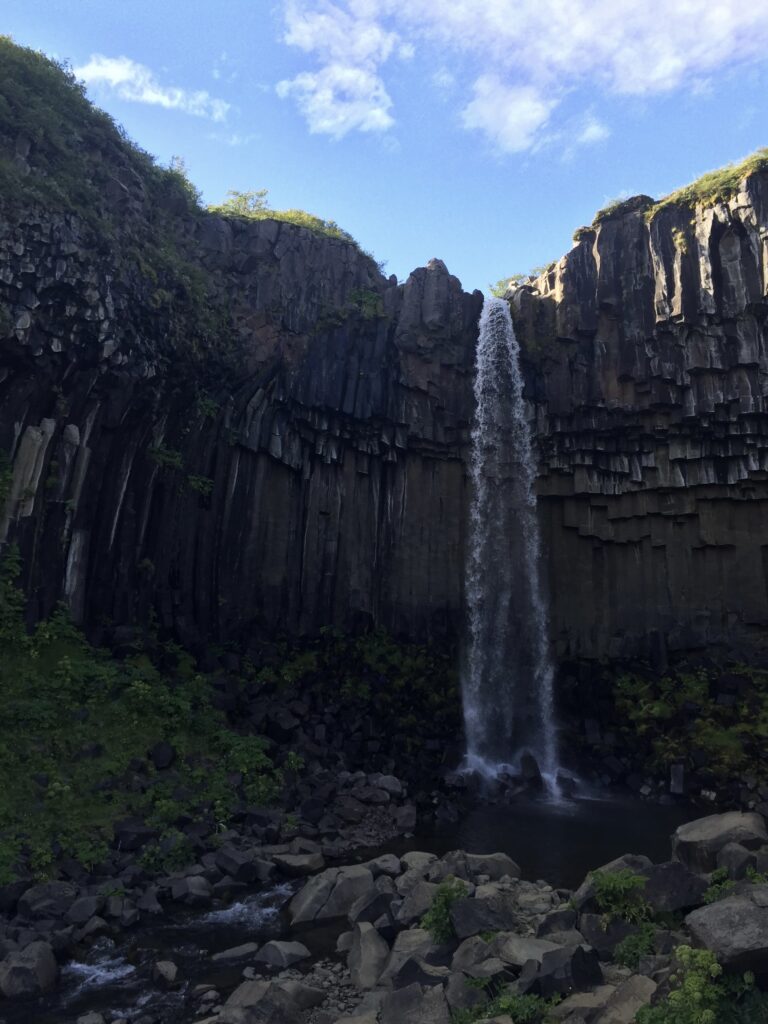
point(559, 842)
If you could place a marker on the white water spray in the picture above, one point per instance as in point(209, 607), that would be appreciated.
point(508, 675)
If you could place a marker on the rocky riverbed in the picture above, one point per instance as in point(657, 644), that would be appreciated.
point(297, 932)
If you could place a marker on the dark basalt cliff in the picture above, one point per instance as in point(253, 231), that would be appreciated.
point(303, 465)
point(649, 374)
point(308, 474)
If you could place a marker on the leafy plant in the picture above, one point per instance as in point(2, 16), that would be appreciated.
point(618, 894)
point(700, 994)
point(201, 484)
point(720, 885)
point(168, 458)
point(437, 919)
point(641, 943)
point(523, 1009)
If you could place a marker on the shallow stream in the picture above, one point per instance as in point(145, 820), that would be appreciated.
point(559, 842)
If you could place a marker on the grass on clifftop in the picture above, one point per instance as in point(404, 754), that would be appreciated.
point(714, 186)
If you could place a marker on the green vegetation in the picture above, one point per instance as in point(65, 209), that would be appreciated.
point(168, 458)
point(669, 717)
point(367, 303)
point(254, 206)
point(720, 885)
point(527, 1009)
point(76, 725)
point(701, 994)
point(715, 186)
point(202, 485)
point(500, 287)
point(619, 895)
point(641, 943)
point(437, 919)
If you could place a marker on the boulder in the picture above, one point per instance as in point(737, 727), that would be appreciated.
point(415, 1005)
point(418, 970)
point(417, 860)
point(498, 913)
point(308, 901)
point(471, 951)
point(368, 955)
point(386, 864)
point(605, 937)
point(281, 954)
point(194, 891)
point(389, 783)
point(241, 952)
point(165, 973)
point(297, 865)
point(735, 929)
point(237, 864)
point(560, 920)
point(582, 1005)
point(408, 943)
point(461, 995)
point(561, 971)
point(584, 897)
point(85, 908)
point(672, 886)
point(736, 859)
point(350, 884)
point(372, 905)
point(623, 1005)
point(48, 899)
point(416, 903)
point(697, 843)
point(517, 950)
point(29, 972)
point(495, 865)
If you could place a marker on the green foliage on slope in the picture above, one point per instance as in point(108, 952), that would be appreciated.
point(254, 205)
point(76, 726)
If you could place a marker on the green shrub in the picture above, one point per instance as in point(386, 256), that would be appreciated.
point(523, 1009)
point(720, 885)
point(629, 950)
point(437, 919)
point(700, 994)
point(74, 721)
point(618, 895)
point(714, 186)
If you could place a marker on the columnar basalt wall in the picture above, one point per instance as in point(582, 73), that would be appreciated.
point(648, 374)
point(311, 475)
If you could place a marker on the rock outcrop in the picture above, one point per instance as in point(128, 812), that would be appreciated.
point(648, 375)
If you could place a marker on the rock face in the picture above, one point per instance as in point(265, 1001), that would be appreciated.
point(309, 468)
point(648, 363)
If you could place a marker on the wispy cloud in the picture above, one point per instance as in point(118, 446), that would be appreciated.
point(526, 55)
point(137, 83)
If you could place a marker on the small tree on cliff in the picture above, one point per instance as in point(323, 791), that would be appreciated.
point(243, 204)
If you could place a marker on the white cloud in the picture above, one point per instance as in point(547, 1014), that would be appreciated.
point(443, 79)
point(509, 115)
point(527, 54)
point(135, 82)
point(592, 131)
point(337, 99)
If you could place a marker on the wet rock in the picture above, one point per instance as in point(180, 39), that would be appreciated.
point(165, 973)
point(368, 955)
point(238, 864)
point(194, 891)
point(697, 843)
point(296, 865)
point(307, 903)
point(244, 951)
point(30, 972)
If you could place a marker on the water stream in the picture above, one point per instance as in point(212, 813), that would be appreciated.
point(508, 673)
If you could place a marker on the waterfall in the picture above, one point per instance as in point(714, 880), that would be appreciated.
point(508, 673)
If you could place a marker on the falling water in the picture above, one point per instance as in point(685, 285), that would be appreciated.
point(507, 678)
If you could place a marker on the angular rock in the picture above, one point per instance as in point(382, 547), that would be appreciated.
point(736, 860)
point(697, 843)
point(244, 951)
point(368, 955)
point(281, 954)
point(415, 1005)
point(309, 900)
point(498, 913)
point(671, 887)
point(165, 973)
point(623, 1005)
point(561, 971)
point(296, 865)
point(48, 899)
point(29, 972)
point(735, 929)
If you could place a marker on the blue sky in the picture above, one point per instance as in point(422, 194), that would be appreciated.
point(479, 131)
